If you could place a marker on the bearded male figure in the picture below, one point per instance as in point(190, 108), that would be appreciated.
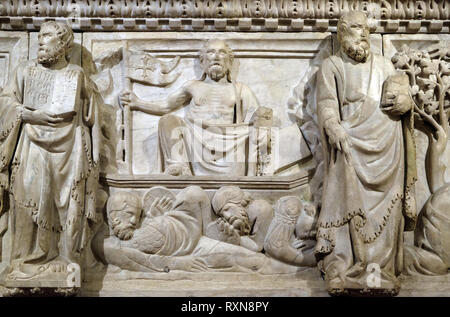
point(138, 242)
point(173, 240)
point(367, 192)
point(50, 145)
point(211, 138)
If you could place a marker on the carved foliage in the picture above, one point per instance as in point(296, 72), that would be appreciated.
point(429, 76)
point(429, 79)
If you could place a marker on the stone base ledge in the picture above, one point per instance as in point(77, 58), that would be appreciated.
point(306, 283)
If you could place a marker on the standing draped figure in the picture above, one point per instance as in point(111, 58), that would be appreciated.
point(370, 167)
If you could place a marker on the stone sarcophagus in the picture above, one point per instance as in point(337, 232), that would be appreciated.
point(194, 148)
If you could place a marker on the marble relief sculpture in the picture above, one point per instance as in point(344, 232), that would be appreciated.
point(426, 75)
point(216, 109)
point(174, 160)
point(291, 236)
point(50, 146)
point(241, 220)
point(365, 155)
point(139, 240)
point(222, 116)
point(143, 243)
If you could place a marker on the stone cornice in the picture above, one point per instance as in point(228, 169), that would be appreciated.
point(207, 182)
point(387, 16)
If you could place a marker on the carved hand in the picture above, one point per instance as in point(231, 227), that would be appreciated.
point(230, 234)
point(303, 245)
point(40, 117)
point(338, 138)
point(160, 206)
point(298, 243)
point(129, 99)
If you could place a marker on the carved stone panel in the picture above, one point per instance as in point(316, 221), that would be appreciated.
point(14, 50)
point(270, 65)
point(224, 148)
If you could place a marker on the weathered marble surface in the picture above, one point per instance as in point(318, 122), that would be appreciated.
point(277, 213)
point(302, 284)
point(14, 51)
point(285, 58)
point(244, 15)
point(425, 62)
point(366, 162)
point(391, 44)
point(47, 212)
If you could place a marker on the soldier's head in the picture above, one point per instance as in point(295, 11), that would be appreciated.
point(231, 203)
point(353, 35)
point(124, 212)
point(289, 205)
point(55, 42)
point(216, 58)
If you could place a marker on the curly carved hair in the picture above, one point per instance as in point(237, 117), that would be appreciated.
point(204, 50)
point(342, 25)
point(119, 201)
point(65, 35)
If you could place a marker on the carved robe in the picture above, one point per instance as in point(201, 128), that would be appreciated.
point(54, 172)
point(177, 231)
point(372, 185)
point(213, 141)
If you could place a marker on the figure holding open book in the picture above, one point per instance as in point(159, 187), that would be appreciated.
point(50, 146)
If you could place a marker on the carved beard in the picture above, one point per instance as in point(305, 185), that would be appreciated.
point(124, 231)
point(356, 48)
point(216, 72)
point(49, 56)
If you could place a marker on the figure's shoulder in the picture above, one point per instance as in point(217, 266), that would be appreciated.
point(31, 62)
point(187, 86)
point(330, 59)
point(330, 63)
point(381, 60)
point(75, 67)
point(22, 68)
point(261, 209)
point(25, 64)
point(243, 88)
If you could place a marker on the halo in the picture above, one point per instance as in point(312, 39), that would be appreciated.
point(152, 195)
